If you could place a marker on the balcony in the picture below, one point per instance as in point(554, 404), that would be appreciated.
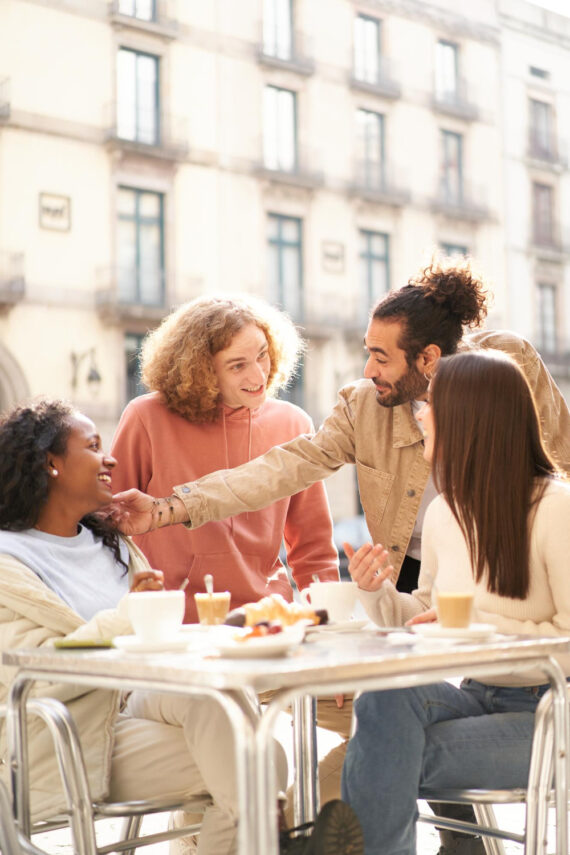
point(462, 204)
point(375, 182)
point(455, 102)
point(546, 151)
point(292, 53)
point(12, 279)
point(159, 19)
point(324, 313)
point(556, 354)
point(150, 133)
point(547, 240)
point(4, 98)
point(297, 169)
point(381, 79)
point(130, 294)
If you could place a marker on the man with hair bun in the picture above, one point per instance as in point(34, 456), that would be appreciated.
point(373, 426)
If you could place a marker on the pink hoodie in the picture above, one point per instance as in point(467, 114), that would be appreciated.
point(157, 449)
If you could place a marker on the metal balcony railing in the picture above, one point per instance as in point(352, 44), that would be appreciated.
point(297, 167)
point(456, 102)
point(4, 98)
point(547, 235)
point(463, 203)
point(154, 15)
point(292, 50)
point(547, 150)
point(12, 278)
point(153, 132)
point(124, 293)
point(378, 182)
point(379, 77)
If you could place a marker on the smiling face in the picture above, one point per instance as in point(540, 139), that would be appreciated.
point(396, 382)
point(83, 480)
point(243, 367)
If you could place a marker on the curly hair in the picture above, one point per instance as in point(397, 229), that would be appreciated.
point(27, 436)
point(177, 356)
point(435, 306)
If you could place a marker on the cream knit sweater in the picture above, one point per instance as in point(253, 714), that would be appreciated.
point(445, 556)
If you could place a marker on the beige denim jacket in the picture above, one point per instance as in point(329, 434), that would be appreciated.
point(386, 446)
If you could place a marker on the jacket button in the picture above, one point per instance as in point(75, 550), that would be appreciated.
point(185, 489)
point(395, 548)
point(411, 492)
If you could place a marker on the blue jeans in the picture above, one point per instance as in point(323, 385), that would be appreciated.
point(435, 736)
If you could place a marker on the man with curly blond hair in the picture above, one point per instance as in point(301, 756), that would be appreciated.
point(213, 367)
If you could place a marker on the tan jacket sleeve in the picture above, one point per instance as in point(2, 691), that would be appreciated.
point(282, 471)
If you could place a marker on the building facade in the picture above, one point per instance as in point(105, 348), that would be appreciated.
point(313, 152)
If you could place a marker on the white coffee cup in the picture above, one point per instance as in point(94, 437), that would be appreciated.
point(156, 615)
point(338, 598)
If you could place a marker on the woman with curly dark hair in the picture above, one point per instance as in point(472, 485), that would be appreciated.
point(64, 573)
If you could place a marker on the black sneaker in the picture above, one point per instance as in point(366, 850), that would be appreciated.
point(336, 831)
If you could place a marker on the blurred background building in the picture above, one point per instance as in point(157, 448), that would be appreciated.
point(313, 152)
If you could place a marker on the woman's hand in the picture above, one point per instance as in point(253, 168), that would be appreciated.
point(424, 617)
point(367, 566)
point(133, 512)
point(147, 580)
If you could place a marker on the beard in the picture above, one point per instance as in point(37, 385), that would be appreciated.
point(409, 387)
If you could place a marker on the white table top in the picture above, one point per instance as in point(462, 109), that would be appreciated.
point(342, 657)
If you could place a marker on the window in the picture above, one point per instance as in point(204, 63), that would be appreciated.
point(543, 219)
point(140, 247)
point(452, 167)
point(133, 344)
point(454, 249)
point(546, 312)
point(374, 269)
point(370, 148)
point(446, 75)
point(137, 97)
point(285, 264)
point(539, 72)
point(144, 10)
point(278, 28)
point(280, 131)
point(540, 122)
point(367, 49)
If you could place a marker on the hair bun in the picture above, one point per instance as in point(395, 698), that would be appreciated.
point(457, 287)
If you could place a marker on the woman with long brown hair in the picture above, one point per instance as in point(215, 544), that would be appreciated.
point(500, 527)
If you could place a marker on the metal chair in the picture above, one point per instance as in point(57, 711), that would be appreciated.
point(538, 796)
point(82, 813)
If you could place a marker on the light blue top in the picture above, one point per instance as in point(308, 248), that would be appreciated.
point(80, 569)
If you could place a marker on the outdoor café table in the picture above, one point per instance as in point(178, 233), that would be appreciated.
point(332, 663)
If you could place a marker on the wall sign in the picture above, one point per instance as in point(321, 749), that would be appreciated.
point(55, 212)
point(333, 257)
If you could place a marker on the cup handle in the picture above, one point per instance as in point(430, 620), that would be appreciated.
point(305, 596)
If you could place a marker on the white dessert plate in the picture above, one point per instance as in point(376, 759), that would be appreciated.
point(267, 645)
point(338, 626)
point(137, 645)
point(474, 631)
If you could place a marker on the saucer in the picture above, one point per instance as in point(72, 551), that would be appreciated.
point(474, 631)
point(133, 644)
point(339, 626)
point(265, 646)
